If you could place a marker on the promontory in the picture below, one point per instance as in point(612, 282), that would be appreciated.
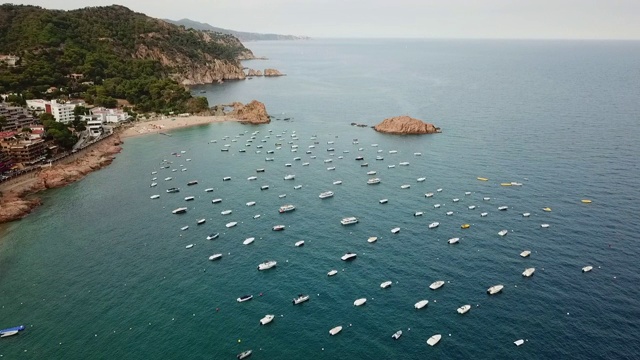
point(405, 125)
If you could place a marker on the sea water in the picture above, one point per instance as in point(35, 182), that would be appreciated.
point(101, 270)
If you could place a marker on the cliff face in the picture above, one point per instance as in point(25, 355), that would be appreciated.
point(405, 125)
point(252, 113)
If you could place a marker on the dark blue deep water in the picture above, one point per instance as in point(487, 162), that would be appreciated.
point(100, 271)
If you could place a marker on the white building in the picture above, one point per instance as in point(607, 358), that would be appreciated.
point(110, 115)
point(39, 106)
point(95, 127)
point(63, 112)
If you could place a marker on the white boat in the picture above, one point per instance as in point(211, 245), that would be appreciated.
point(282, 196)
point(374, 145)
point(184, 228)
point(180, 210)
point(226, 178)
point(168, 178)
point(305, 164)
point(371, 172)
point(486, 198)
point(544, 226)
point(467, 192)
point(422, 179)
point(297, 187)
point(432, 341)
point(391, 166)
point(349, 220)
point(519, 342)
point(437, 206)
point(372, 239)
point(386, 284)
point(189, 198)
point(300, 299)
point(201, 221)
point(404, 163)
point(299, 243)
point(525, 253)
point(463, 309)
point(154, 172)
point(393, 151)
point(503, 208)
point(278, 228)
point(215, 257)
point(189, 246)
point(213, 236)
point(383, 201)
point(395, 230)
point(260, 170)
point(290, 177)
point(471, 207)
point(256, 216)
point(528, 272)
point(420, 304)
point(251, 178)
point(208, 190)
point(587, 268)
point(337, 182)
point(495, 289)
point(503, 232)
point(264, 187)
point(335, 330)
point(153, 184)
point(439, 190)
point(8, 333)
point(154, 196)
point(248, 241)
point(418, 213)
point(373, 181)
point(286, 208)
point(332, 272)
point(417, 154)
point(267, 265)
point(288, 165)
point(484, 214)
point(226, 212)
point(215, 201)
point(348, 256)
point(379, 158)
point(244, 298)
point(526, 214)
point(428, 195)
point(231, 224)
point(326, 161)
point(456, 200)
point(326, 194)
point(251, 203)
point(405, 186)
point(360, 302)
point(436, 285)
point(454, 240)
point(434, 225)
point(449, 213)
point(266, 319)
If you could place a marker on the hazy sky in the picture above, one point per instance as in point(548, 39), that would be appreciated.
point(530, 19)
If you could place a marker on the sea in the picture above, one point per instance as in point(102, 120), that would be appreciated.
point(101, 271)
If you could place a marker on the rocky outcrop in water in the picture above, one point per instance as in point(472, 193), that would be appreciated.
point(253, 113)
point(272, 72)
point(253, 72)
point(405, 125)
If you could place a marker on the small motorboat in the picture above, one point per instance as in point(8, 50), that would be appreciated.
point(332, 272)
point(482, 179)
point(404, 163)
point(278, 228)
point(456, 200)
point(231, 224)
point(300, 299)
point(383, 201)
point(503, 208)
point(465, 226)
point(526, 214)
point(484, 214)
point(454, 240)
point(418, 213)
point(421, 179)
point(256, 216)
point(297, 187)
point(397, 335)
point(463, 309)
point(189, 198)
point(434, 225)
point(267, 265)
point(215, 201)
point(226, 212)
point(547, 209)
point(299, 243)
point(371, 172)
point(208, 190)
point(248, 241)
point(467, 192)
point(244, 298)
point(153, 184)
point(348, 256)
point(519, 342)
point(391, 166)
point(326, 194)
point(420, 304)
point(264, 187)
point(331, 168)
point(189, 246)
point(439, 190)
point(360, 302)
point(432, 341)
point(437, 206)
point(192, 182)
point(436, 285)
point(168, 178)
point(266, 319)
point(337, 182)
point(349, 220)
point(486, 198)
point(503, 232)
point(528, 272)
point(395, 230)
point(372, 239)
point(4, 334)
point(428, 195)
point(495, 289)
point(405, 186)
point(251, 178)
point(290, 177)
point(184, 227)
point(251, 203)
point(226, 178)
point(585, 201)
point(386, 284)
point(373, 181)
point(471, 207)
point(587, 268)
point(525, 253)
point(244, 354)
point(259, 170)
point(180, 210)
point(201, 221)
point(213, 236)
point(449, 213)
point(544, 226)
point(215, 257)
point(173, 190)
point(335, 330)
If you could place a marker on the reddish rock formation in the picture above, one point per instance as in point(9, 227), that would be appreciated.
point(405, 125)
point(272, 72)
point(253, 72)
point(252, 113)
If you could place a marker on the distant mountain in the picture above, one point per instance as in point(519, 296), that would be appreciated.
point(243, 36)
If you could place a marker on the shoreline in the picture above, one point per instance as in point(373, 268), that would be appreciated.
point(19, 199)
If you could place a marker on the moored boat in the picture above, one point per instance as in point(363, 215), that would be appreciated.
point(349, 220)
point(192, 182)
point(173, 190)
point(434, 225)
point(231, 224)
point(154, 196)
point(503, 232)
point(436, 285)
point(215, 257)
point(244, 354)
point(286, 208)
point(386, 284)
point(528, 272)
point(495, 289)
point(397, 335)
point(395, 230)
point(248, 241)
point(278, 228)
point(299, 243)
point(335, 330)
point(463, 309)
point(454, 240)
point(300, 299)
point(383, 201)
point(372, 239)
point(348, 256)
point(465, 226)
point(266, 319)
point(587, 268)
point(525, 253)
point(267, 265)
point(418, 213)
point(502, 208)
point(244, 298)
point(420, 304)
point(326, 194)
point(180, 210)
point(432, 341)
point(373, 181)
point(215, 201)
point(332, 272)
point(251, 203)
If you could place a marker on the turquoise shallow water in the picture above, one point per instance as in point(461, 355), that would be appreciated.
point(101, 270)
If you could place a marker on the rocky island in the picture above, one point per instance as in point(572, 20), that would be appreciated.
point(405, 125)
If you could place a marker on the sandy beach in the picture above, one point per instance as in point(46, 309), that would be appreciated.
point(169, 123)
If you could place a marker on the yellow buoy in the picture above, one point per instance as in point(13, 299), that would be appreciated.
point(547, 209)
point(483, 179)
point(506, 184)
point(586, 201)
point(465, 226)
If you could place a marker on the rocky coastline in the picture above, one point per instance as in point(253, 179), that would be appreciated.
point(406, 125)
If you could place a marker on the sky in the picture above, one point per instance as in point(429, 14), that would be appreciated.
point(493, 19)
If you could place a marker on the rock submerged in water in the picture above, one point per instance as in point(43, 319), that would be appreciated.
point(405, 125)
point(252, 113)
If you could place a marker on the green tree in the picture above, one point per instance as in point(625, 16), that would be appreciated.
point(3, 122)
